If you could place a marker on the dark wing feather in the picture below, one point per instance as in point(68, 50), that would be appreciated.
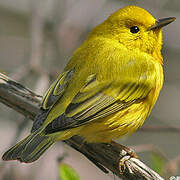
point(54, 93)
point(63, 122)
point(56, 89)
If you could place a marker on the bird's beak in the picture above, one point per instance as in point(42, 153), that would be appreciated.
point(162, 22)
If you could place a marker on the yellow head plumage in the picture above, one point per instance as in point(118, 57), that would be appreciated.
point(131, 26)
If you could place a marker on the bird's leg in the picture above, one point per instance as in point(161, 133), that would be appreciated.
point(128, 154)
point(128, 150)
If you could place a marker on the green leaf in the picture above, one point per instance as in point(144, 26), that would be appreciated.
point(157, 163)
point(66, 172)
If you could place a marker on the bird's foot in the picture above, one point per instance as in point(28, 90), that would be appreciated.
point(127, 154)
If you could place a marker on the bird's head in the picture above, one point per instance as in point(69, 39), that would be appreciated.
point(135, 28)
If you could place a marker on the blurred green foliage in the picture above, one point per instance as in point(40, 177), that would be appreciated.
point(66, 172)
point(157, 163)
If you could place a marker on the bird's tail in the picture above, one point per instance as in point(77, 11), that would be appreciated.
point(30, 148)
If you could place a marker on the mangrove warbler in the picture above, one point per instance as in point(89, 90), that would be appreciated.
point(107, 89)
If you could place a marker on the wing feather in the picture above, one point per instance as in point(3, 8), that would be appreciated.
point(95, 102)
point(54, 93)
point(56, 89)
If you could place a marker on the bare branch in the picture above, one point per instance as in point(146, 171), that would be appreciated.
point(168, 128)
point(37, 22)
point(171, 166)
point(105, 156)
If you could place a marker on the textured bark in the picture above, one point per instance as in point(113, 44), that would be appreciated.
point(105, 156)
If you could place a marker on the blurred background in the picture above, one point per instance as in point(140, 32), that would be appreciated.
point(37, 37)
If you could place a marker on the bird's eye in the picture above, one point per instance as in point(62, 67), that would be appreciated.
point(134, 29)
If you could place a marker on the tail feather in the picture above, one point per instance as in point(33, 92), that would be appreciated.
point(29, 149)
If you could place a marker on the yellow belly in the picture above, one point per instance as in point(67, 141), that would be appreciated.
point(125, 121)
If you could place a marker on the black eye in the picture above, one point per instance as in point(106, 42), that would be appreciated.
point(134, 29)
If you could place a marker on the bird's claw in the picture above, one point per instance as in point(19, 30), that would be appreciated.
point(124, 161)
point(123, 164)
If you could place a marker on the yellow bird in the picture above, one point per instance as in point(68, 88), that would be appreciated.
point(107, 89)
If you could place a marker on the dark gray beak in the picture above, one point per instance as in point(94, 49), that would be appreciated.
point(162, 22)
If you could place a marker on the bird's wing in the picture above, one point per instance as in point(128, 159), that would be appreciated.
point(98, 100)
point(56, 89)
point(54, 93)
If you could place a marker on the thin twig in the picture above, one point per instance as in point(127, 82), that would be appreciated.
point(171, 166)
point(37, 23)
point(149, 148)
point(168, 128)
